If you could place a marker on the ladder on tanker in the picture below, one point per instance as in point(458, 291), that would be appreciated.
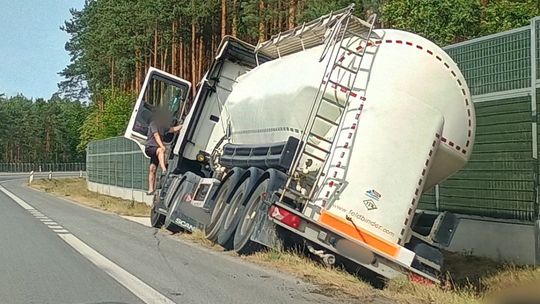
point(316, 147)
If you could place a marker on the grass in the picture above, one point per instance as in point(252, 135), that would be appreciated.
point(470, 280)
point(75, 189)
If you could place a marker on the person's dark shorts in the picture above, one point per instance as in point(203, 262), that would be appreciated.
point(152, 152)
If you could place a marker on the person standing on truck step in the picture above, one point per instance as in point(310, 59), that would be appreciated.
point(155, 148)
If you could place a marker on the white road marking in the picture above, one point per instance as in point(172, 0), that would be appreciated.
point(140, 289)
point(50, 223)
point(56, 227)
point(16, 199)
point(144, 292)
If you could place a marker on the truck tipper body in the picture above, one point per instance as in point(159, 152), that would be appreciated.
point(326, 134)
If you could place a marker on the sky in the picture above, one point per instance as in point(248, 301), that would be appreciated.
point(32, 45)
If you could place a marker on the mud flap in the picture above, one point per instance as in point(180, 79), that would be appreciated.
point(265, 232)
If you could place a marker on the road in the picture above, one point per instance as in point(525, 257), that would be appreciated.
point(55, 251)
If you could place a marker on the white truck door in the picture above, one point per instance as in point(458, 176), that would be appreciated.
point(162, 91)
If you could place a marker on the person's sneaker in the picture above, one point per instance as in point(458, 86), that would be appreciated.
point(150, 192)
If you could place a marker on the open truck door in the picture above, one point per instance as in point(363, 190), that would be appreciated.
point(161, 91)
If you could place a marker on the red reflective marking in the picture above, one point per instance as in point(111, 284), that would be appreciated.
point(408, 43)
point(419, 47)
point(353, 94)
point(388, 41)
point(331, 183)
point(399, 41)
point(429, 52)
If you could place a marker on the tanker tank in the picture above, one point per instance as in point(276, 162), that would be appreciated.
point(271, 102)
point(412, 116)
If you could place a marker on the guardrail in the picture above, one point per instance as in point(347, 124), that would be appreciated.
point(42, 167)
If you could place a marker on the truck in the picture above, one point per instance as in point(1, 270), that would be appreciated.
point(326, 135)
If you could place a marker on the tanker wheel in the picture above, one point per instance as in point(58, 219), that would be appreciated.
point(242, 242)
point(222, 197)
point(231, 215)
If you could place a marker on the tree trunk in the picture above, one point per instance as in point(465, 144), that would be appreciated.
point(262, 21)
point(223, 18)
point(234, 25)
point(155, 46)
point(193, 51)
point(292, 13)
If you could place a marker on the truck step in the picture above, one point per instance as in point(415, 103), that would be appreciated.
point(337, 65)
point(318, 137)
point(354, 52)
point(333, 102)
point(317, 147)
point(327, 120)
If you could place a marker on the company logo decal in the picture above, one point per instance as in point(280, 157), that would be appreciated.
point(370, 205)
point(373, 194)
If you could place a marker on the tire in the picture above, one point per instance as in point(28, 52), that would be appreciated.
point(222, 198)
point(242, 243)
point(156, 219)
point(233, 210)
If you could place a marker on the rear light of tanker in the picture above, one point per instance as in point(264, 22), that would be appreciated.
point(286, 217)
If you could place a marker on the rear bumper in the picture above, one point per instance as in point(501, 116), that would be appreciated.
point(351, 249)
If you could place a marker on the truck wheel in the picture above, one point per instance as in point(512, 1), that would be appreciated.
point(242, 242)
point(156, 219)
point(222, 198)
point(233, 210)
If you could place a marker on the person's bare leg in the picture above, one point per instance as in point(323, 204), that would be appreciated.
point(152, 178)
point(161, 157)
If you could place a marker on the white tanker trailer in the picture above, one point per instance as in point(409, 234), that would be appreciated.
point(326, 134)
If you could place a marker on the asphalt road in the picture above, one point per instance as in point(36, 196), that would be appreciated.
point(55, 251)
